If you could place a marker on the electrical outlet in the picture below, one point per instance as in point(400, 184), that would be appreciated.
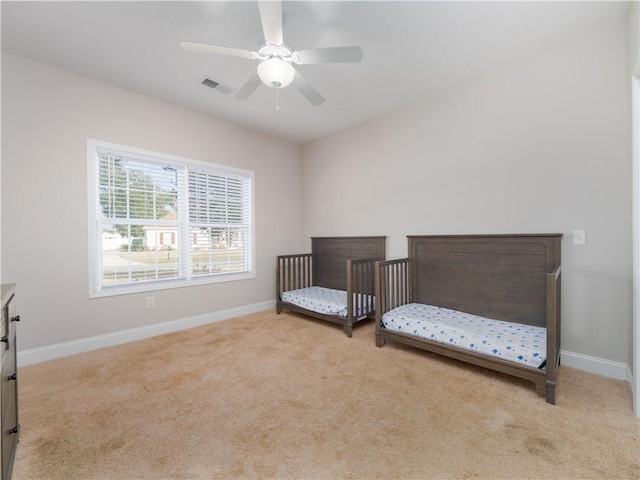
point(151, 302)
point(579, 237)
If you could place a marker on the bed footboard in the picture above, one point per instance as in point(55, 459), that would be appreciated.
point(292, 273)
point(392, 289)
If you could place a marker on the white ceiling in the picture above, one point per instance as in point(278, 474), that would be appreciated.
point(412, 50)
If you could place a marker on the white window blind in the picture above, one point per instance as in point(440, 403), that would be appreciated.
point(219, 222)
point(163, 221)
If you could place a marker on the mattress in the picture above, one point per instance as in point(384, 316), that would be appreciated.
point(321, 300)
point(523, 344)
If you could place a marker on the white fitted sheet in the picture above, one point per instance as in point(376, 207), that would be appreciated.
point(524, 344)
point(319, 299)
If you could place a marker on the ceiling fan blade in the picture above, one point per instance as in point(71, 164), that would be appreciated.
point(307, 90)
point(217, 50)
point(328, 55)
point(249, 87)
point(271, 16)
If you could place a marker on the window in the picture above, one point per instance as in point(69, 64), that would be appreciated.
point(158, 221)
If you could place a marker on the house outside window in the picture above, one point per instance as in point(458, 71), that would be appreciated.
point(158, 221)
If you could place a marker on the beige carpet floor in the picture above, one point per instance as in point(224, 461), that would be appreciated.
point(288, 397)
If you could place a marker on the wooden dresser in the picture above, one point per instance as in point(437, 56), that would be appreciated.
point(9, 381)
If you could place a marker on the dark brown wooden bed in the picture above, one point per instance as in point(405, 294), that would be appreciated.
point(513, 278)
point(344, 264)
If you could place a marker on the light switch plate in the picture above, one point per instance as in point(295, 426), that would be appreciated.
point(579, 237)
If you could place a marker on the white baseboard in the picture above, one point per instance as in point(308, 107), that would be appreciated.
point(59, 350)
point(599, 366)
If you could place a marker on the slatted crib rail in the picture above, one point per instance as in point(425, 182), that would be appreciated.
point(392, 284)
point(392, 288)
point(293, 272)
point(361, 287)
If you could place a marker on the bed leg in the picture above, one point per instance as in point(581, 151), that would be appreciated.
point(379, 341)
point(550, 394)
point(278, 308)
point(348, 329)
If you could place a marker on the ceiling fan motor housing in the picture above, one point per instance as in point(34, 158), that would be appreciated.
point(275, 69)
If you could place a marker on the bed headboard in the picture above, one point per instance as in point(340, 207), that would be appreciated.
point(496, 276)
point(330, 255)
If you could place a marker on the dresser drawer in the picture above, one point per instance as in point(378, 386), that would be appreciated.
point(4, 329)
point(8, 380)
point(10, 430)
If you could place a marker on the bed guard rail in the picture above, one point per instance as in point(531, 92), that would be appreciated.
point(392, 289)
point(392, 285)
point(553, 331)
point(293, 272)
point(361, 287)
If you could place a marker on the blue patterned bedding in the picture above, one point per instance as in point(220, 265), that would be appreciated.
point(524, 344)
point(320, 300)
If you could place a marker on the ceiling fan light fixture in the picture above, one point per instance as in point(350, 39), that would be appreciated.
point(276, 73)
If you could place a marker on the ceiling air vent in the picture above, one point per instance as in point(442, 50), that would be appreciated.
point(217, 86)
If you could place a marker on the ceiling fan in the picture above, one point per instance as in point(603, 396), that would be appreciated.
point(276, 68)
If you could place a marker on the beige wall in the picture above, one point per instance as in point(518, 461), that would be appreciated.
point(47, 117)
point(540, 146)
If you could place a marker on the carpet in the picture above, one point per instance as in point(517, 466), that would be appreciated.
point(290, 397)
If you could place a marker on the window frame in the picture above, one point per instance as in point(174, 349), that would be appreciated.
point(96, 289)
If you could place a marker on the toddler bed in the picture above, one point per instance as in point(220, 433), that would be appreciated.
point(489, 300)
point(335, 282)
